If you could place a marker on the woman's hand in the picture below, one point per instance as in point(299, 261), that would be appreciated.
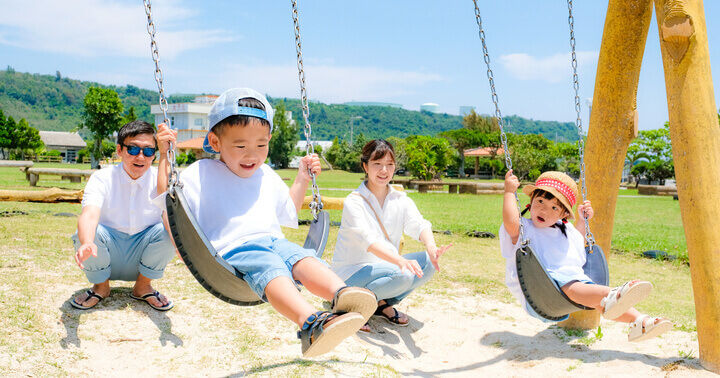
point(411, 266)
point(435, 254)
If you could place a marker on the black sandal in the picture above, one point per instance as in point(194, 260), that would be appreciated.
point(324, 330)
point(392, 319)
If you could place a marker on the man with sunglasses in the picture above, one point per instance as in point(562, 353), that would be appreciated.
point(120, 232)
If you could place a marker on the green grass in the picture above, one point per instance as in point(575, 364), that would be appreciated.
point(36, 262)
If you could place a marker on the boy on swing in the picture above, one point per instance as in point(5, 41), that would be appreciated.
point(560, 247)
point(240, 203)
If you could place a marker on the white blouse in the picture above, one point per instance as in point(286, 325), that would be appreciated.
point(359, 228)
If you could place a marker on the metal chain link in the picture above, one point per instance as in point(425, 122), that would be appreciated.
point(578, 122)
point(498, 115)
point(316, 204)
point(172, 177)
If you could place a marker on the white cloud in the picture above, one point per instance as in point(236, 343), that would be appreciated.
point(101, 28)
point(551, 69)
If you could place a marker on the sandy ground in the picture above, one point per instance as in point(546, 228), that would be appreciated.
point(449, 335)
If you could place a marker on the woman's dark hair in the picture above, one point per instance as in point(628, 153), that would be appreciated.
point(548, 196)
point(135, 128)
point(241, 120)
point(376, 149)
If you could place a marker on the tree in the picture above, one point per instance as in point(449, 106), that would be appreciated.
point(463, 139)
point(5, 135)
point(656, 148)
point(129, 116)
point(8, 136)
point(284, 138)
point(568, 157)
point(28, 138)
point(401, 158)
point(531, 155)
point(102, 117)
point(428, 157)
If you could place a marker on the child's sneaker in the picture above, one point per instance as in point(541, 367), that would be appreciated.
point(355, 299)
point(323, 331)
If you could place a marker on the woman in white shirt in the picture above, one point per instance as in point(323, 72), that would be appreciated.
point(374, 218)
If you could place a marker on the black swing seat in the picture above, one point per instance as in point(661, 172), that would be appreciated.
point(542, 292)
point(318, 233)
point(207, 266)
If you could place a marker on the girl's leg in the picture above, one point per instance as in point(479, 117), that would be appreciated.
point(588, 295)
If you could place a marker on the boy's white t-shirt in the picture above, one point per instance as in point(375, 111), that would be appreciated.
point(559, 254)
point(232, 210)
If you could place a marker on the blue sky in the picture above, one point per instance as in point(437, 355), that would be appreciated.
point(406, 52)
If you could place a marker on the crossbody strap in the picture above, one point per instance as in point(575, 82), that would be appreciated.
point(376, 216)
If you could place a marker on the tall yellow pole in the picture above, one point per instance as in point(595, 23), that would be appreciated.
point(696, 150)
point(613, 122)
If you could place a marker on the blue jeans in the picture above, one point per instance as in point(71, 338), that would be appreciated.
point(121, 256)
point(388, 283)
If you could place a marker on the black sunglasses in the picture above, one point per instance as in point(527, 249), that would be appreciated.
point(135, 150)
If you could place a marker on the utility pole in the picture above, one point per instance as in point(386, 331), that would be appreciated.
point(351, 127)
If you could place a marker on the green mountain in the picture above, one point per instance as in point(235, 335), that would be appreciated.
point(55, 103)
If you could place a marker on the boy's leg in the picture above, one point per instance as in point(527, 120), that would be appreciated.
point(282, 294)
point(317, 278)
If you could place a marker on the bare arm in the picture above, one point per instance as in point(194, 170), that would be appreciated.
point(164, 136)
point(302, 180)
point(427, 238)
point(511, 218)
point(87, 227)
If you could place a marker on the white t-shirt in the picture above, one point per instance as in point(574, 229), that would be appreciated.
point(560, 254)
point(125, 204)
point(359, 228)
point(232, 210)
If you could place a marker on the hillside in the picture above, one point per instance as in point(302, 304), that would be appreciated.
point(55, 103)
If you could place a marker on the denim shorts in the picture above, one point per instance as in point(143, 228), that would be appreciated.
point(263, 259)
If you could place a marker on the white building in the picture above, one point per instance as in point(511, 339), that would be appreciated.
point(430, 107)
point(67, 143)
point(188, 118)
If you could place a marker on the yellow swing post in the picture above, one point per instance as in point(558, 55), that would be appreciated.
point(695, 139)
point(693, 129)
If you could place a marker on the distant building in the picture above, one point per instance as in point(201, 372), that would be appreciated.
point(324, 144)
point(465, 110)
point(188, 118)
point(430, 107)
point(368, 103)
point(67, 143)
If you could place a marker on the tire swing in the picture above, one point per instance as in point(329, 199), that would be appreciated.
point(212, 272)
point(540, 290)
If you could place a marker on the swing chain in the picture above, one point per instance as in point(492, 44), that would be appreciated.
point(316, 204)
point(498, 115)
point(173, 175)
point(578, 121)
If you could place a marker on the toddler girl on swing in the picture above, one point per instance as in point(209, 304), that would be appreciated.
point(560, 247)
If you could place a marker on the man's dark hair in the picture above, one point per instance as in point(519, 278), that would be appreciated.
point(241, 120)
point(135, 128)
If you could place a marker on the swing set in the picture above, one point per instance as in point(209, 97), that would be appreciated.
point(215, 274)
point(693, 121)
